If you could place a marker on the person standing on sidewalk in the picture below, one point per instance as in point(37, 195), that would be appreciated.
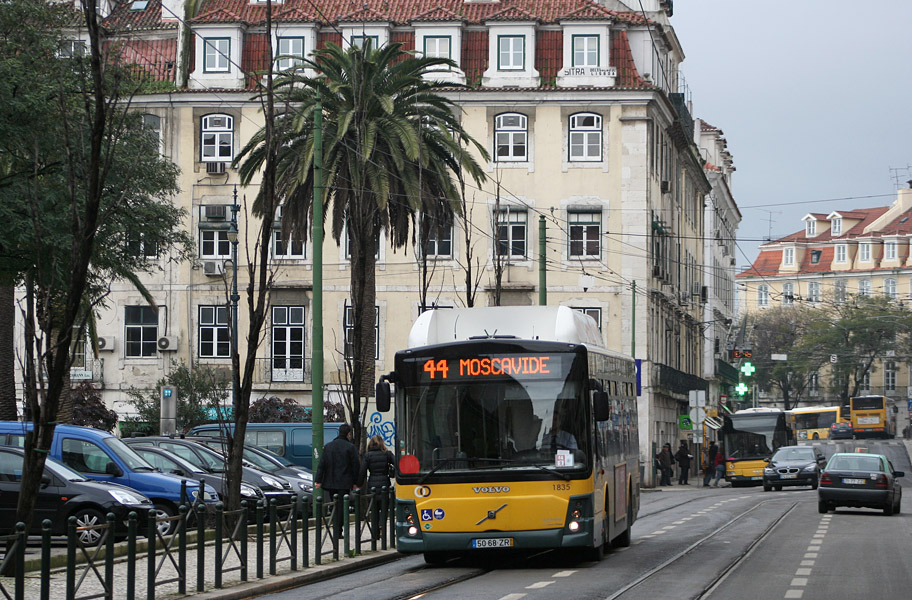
point(337, 472)
point(719, 464)
point(683, 456)
point(381, 464)
point(664, 460)
point(710, 467)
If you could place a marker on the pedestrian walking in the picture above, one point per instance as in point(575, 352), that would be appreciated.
point(337, 472)
point(664, 461)
point(381, 464)
point(719, 464)
point(683, 456)
point(709, 467)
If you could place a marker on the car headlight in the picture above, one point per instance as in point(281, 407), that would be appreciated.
point(769, 471)
point(306, 486)
point(272, 482)
point(208, 496)
point(248, 490)
point(125, 497)
point(810, 468)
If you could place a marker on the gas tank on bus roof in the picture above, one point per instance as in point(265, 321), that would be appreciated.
point(547, 323)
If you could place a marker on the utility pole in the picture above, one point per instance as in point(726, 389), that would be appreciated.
point(542, 268)
point(317, 236)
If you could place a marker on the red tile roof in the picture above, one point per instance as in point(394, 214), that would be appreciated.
point(512, 13)
point(822, 265)
point(124, 17)
point(438, 13)
point(766, 264)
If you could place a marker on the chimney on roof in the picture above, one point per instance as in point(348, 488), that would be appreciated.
point(172, 10)
point(910, 183)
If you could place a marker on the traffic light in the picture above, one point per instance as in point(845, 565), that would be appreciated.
point(741, 389)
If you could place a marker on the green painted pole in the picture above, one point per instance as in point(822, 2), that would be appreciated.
point(542, 269)
point(633, 319)
point(317, 236)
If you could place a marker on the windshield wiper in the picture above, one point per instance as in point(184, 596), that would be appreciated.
point(439, 465)
point(499, 461)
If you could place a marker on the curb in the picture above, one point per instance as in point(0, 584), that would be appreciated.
point(279, 583)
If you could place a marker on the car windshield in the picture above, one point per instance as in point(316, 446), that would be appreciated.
point(269, 454)
point(166, 461)
point(794, 453)
point(61, 470)
point(134, 461)
point(259, 461)
point(852, 462)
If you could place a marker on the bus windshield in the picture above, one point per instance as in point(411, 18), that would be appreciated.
point(753, 437)
point(868, 403)
point(506, 412)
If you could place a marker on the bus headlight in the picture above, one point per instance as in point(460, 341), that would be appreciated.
point(573, 526)
point(412, 530)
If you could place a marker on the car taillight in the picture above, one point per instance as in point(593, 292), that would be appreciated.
point(881, 481)
point(825, 479)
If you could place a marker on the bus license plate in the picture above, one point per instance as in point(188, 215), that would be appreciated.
point(853, 481)
point(492, 543)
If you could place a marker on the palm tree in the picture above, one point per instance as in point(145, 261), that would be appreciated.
point(393, 147)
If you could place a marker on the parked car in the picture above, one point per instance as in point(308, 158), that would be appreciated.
point(842, 431)
point(293, 441)
point(168, 462)
point(860, 480)
point(268, 461)
point(102, 456)
point(215, 463)
point(793, 465)
point(64, 493)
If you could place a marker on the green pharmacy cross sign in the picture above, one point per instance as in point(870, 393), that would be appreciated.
point(741, 388)
point(748, 369)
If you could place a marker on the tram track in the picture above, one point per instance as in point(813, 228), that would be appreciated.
point(708, 589)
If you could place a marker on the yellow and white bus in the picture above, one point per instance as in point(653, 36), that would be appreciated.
point(813, 422)
point(515, 429)
point(749, 438)
point(870, 418)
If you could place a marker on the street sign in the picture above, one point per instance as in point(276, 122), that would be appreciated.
point(779, 356)
point(684, 422)
point(712, 412)
point(833, 358)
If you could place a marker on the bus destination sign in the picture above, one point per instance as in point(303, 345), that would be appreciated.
point(521, 366)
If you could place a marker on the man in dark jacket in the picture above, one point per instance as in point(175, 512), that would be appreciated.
point(337, 472)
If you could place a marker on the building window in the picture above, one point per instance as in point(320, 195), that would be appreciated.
point(840, 290)
point(840, 253)
point(152, 123)
point(595, 313)
point(215, 55)
point(139, 246)
point(810, 227)
point(585, 137)
point(438, 46)
point(585, 234)
point(360, 41)
point(141, 331)
point(511, 52)
point(348, 245)
point(511, 233)
point(288, 250)
point(788, 257)
point(813, 382)
point(890, 251)
point(349, 331)
point(78, 351)
point(214, 334)
point(889, 376)
point(836, 226)
point(214, 243)
point(890, 288)
point(217, 138)
point(864, 253)
point(815, 256)
point(585, 51)
point(864, 287)
point(814, 291)
point(439, 243)
point(511, 136)
point(289, 53)
point(866, 381)
point(763, 295)
point(72, 49)
point(288, 343)
point(788, 293)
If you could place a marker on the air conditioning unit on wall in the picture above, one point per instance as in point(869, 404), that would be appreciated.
point(215, 212)
point(167, 343)
point(213, 268)
point(215, 168)
point(106, 343)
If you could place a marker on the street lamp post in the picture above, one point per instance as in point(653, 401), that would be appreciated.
point(235, 297)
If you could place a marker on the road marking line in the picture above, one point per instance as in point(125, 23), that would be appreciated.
point(648, 536)
point(669, 527)
point(810, 555)
point(538, 585)
point(803, 571)
point(678, 522)
point(813, 549)
point(565, 573)
point(635, 542)
point(808, 563)
point(658, 532)
point(515, 596)
point(794, 593)
point(686, 519)
point(799, 581)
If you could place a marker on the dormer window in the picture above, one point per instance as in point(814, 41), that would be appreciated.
point(585, 50)
point(836, 226)
point(788, 257)
point(217, 56)
point(511, 59)
point(438, 46)
point(890, 251)
point(289, 52)
point(815, 256)
point(841, 253)
point(511, 52)
point(216, 53)
point(360, 41)
point(586, 55)
point(864, 252)
point(810, 228)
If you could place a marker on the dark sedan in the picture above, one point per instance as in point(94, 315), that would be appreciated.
point(793, 465)
point(841, 431)
point(64, 493)
point(268, 461)
point(860, 480)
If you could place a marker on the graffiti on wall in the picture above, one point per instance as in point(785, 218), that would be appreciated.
point(384, 427)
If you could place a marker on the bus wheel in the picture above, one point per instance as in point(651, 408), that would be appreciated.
point(436, 558)
point(623, 539)
point(816, 436)
point(593, 554)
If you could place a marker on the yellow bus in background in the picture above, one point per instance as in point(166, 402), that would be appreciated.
point(813, 422)
point(869, 417)
point(749, 438)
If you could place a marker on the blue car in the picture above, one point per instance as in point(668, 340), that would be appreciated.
point(101, 456)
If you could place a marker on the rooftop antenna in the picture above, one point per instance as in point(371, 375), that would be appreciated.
point(769, 233)
point(900, 175)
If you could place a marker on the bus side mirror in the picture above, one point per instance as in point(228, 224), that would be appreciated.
point(602, 406)
point(383, 395)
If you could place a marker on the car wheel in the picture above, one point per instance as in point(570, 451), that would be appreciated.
point(896, 508)
point(814, 485)
point(89, 517)
point(163, 511)
point(778, 488)
point(822, 507)
point(767, 487)
point(888, 509)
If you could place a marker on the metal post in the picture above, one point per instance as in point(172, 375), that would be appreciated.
point(542, 266)
point(71, 558)
point(317, 236)
point(151, 539)
point(46, 559)
point(346, 535)
point(273, 518)
point(356, 501)
point(182, 550)
point(200, 547)
point(219, 519)
point(244, 541)
point(294, 532)
point(376, 526)
point(132, 522)
point(390, 515)
point(261, 509)
point(305, 533)
point(109, 557)
point(21, 538)
point(233, 237)
point(318, 532)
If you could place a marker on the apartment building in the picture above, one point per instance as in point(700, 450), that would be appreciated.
point(595, 158)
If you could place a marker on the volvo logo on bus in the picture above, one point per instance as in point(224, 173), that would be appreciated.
point(498, 489)
point(422, 491)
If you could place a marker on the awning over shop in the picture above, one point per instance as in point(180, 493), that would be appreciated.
point(713, 422)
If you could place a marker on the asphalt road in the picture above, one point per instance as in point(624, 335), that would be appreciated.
point(689, 542)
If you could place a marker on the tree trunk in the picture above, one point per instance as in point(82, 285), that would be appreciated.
point(8, 409)
point(363, 235)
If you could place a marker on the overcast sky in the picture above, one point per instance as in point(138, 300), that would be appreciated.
point(814, 98)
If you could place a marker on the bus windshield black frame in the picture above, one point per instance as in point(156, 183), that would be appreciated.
point(753, 436)
point(495, 410)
